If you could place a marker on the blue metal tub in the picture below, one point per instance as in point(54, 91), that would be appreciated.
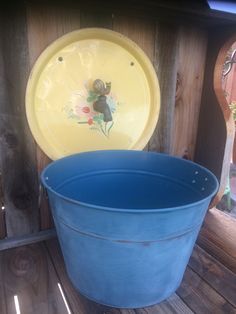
point(127, 222)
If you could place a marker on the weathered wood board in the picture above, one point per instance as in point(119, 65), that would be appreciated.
point(17, 147)
point(28, 275)
point(191, 54)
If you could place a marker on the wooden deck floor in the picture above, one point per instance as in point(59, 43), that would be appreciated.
point(33, 281)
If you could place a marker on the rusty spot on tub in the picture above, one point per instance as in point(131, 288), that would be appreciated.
point(124, 241)
point(146, 243)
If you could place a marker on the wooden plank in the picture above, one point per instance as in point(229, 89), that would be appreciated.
point(166, 68)
point(3, 232)
point(3, 305)
point(77, 302)
point(28, 274)
point(192, 44)
point(2, 223)
point(201, 297)
point(45, 24)
point(2, 201)
point(141, 31)
point(217, 237)
point(216, 126)
point(91, 17)
point(172, 305)
point(19, 195)
point(19, 178)
point(27, 239)
point(125, 311)
point(214, 273)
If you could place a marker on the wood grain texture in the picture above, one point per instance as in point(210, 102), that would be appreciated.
point(94, 17)
point(200, 297)
point(141, 31)
point(186, 12)
point(2, 224)
point(3, 305)
point(214, 273)
point(3, 97)
point(28, 273)
point(3, 231)
point(173, 305)
point(27, 239)
point(166, 69)
point(216, 128)
point(17, 147)
point(192, 44)
point(45, 24)
point(217, 237)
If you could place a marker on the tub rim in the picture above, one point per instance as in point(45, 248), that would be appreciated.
point(129, 210)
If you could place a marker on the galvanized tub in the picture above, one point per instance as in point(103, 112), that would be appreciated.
point(127, 222)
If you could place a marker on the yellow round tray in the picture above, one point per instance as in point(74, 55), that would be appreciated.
point(92, 89)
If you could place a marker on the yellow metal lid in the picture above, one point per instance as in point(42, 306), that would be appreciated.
point(92, 89)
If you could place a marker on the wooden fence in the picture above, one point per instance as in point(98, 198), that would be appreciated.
point(181, 53)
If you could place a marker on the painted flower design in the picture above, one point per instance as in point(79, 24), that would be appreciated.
point(93, 106)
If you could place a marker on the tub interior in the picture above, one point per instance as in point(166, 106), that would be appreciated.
point(130, 190)
point(129, 180)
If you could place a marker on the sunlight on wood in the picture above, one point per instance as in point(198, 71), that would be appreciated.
point(64, 298)
point(17, 306)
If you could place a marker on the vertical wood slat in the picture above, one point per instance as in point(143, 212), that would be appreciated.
point(2, 98)
point(3, 232)
point(28, 273)
point(192, 44)
point(17, 148)
point(45, 24)
point(3, 305)
point(166, 67)
point(97, 18)
point(141, 31)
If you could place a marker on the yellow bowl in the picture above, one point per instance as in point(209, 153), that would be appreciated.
point(92, 89)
